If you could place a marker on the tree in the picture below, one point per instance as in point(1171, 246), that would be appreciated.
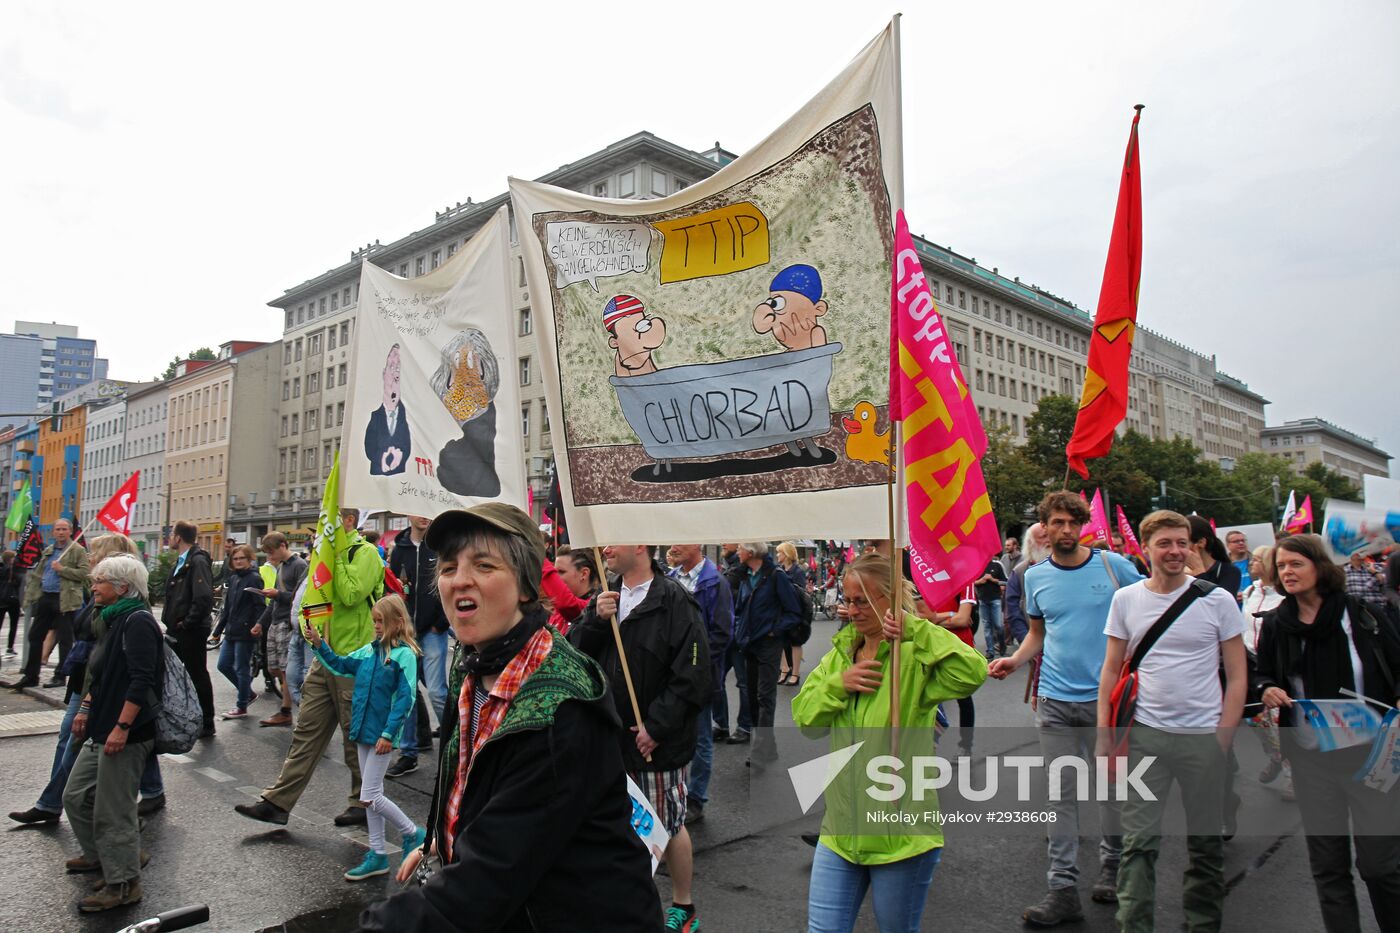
point(1048, 432)
point(1329, 482)
point(203, 353)
point(1014, 483)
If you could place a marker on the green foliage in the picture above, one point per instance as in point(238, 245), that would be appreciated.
point(165, 563)
point(1048, 432)
point(203, 353)
point(1014, 483)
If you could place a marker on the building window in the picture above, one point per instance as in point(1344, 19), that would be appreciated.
point(524, 370)
point(451, 249)
point(525, 420)
point(301, 315)
point(544, 418)
point(962, 299)
point(339, 413)
point(976, 340)
point(335, 302)
point(345, 296)
point(297, 354)
point(330, 338)
point(286, 390)
point(345, 334)
point(600, 189)
point(296, 425)
point(626, 184)
point(289, 319)
point(403, 270)
point(344, 372)
point(974, 304)
point(437, 258)
point(315, 345)
point(296, 388)
point(329, 419)
point(311, 419)
point(286, 353)
point(323, 306)
point(313, 383)
point(979, 383)
point(525, 324)
point(330, 376)
point(658, 183)
point(418, 266)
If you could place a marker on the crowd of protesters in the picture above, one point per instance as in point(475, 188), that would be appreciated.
point(554, 682)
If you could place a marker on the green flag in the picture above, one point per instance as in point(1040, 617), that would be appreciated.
point(20, 510)
point(321, 588)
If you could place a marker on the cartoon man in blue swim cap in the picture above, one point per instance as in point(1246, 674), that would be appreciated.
point(790, 313)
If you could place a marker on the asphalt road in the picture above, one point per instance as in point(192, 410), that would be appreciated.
point(257, 877)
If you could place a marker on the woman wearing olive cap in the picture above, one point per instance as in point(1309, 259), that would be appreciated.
point(530, 816)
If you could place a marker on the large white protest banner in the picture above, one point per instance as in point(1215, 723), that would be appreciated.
point(430, 422)
point(716, 361)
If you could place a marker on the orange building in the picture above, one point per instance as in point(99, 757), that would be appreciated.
point(63, 464)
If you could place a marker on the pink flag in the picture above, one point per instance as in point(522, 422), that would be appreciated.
point(952, 531)
point(1130, 541)
point(1096, 531)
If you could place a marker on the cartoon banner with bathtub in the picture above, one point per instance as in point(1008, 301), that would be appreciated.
point(716, 360)
point(431, 417)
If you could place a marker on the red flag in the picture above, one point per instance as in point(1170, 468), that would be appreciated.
point(952, 531)
point(31, 546)
point(116, 514)
point(1105, 399)
point(1302, 519)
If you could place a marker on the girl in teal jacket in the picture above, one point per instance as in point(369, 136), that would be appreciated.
point(386, 679)
point(848, 695)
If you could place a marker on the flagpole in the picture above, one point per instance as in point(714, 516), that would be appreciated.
point(621, 654)
point(896, 434)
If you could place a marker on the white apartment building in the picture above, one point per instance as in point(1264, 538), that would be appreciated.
point(145, 451)
point(1314, 440)
point(104, 466)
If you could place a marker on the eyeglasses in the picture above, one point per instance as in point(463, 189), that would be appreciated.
point(860, 602)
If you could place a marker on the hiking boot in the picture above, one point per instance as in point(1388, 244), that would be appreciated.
point(34, 816)
point(681, 918)
point(112, 895)
point(283, 718)
point(719, 735)
point(373, 864)
point(149, 805)
point(1060, 905)
point(101, 882)
point(405, 765)
point(740, 737)
point(353, 816)
point(81, 865)
point(1105, 890)
point(264, 811)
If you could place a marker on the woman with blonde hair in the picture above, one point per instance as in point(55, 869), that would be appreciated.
point(792, 650)
point(88, 629)
point(850, 690)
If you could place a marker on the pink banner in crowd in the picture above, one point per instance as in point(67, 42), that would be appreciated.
point(952, 531)
point(1095, 533)
point(1130, 541)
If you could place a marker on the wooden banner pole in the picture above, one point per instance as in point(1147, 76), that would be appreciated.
point(617, 637)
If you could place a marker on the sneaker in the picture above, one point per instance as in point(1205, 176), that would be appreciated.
point(1105, 890)
point(1060, 905)
point(405, 765)
point(694, 811)
point(414, 840)
point(684, 919)
point(149, 805)
point(720, 735)
point(1271, 772)
point(740, 737)
point(34, 816)
point(374, 863)
point(112, 895)
point(236, 713)
point(10, 652)
point(353, 816)
point(264, 811)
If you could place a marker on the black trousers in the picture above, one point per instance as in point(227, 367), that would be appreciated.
point(761, 666)
point(13, 611)
point(47, 618)
point(1329, 799)
point(194, 654)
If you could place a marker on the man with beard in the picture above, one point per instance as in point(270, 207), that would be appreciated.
point(1066, 602)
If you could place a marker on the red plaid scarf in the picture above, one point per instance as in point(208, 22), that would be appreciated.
point(498, 702)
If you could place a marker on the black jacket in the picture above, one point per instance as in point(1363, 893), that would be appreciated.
point(545, 841)
point(668, 655)
point(770, 608)
point(289, 577)
point(416, 566)
point(11, 585)
point(242, 609)
point(189, 593)
point(1377, 644)
point(126, 665)
point(378, 440)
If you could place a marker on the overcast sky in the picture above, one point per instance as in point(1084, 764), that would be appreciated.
point(168, 171)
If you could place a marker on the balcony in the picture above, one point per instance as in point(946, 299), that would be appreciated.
point(24, 466)
point(24, 447)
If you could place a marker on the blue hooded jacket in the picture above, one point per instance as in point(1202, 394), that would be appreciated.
point(770, 608)
point(384, 688)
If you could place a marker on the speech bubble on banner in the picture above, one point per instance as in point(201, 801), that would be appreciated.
point(587, 252)
point(728, 239)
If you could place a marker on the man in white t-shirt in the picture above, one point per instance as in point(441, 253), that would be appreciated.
point(1183, 719)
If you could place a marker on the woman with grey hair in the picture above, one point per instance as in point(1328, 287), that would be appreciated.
point(466, 380)
point(116, 725)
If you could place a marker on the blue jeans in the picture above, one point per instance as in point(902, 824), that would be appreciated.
point(66, 752)
point(700, 766)
point(434, 670)
point(733, 658)
point(989, 612)
point(898, 892)
point(236, 664)
point(297, 664)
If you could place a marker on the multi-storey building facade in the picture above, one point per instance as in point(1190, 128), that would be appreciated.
point(60, 460)
point(145, 441)
point(205, 403)
point(24, 465)
point(103, 457)
point(1313, 440)
point(67, 361)
point(1017, 342)
point(20, 365)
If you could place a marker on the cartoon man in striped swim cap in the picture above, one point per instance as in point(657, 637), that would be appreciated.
point(633, 335)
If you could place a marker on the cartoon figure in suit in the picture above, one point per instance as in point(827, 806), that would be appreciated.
point(387, 440)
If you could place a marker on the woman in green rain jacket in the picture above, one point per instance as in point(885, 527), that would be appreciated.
point(849, 695)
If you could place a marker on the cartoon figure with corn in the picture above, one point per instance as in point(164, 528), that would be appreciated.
point(466, 380)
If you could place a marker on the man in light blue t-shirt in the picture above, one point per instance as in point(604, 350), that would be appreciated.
point(1066, 603)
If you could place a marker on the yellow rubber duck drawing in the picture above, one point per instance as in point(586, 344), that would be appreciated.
point(865, 444)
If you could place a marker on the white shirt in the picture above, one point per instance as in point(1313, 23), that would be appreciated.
point(1179, 679)
point(1259, 598)
point(632, 597)
point(391, 418)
